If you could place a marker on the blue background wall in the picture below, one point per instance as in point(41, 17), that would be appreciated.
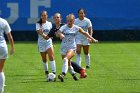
point(104, 14)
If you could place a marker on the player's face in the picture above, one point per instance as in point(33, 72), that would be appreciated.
point(44, 16)
point(57, 18)
point(70, 21)
point(81, 14)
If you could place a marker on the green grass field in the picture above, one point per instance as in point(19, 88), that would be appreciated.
point(115, 68)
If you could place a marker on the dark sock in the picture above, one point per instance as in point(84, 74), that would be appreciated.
point(46, 72)
point(63, 73)
point(76, 67)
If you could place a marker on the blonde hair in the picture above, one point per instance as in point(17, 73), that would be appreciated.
point(70, 16)
point(57, 14)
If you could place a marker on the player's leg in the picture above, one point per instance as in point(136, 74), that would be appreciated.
point(69, 55)
point(66, 61)
point(50, 52)
point(78, 69)
point(87, 55)
point(2, 76)
point(44, 62)
point(78, 54)
point(42, 49)
point(71, 70)
point(64, 68)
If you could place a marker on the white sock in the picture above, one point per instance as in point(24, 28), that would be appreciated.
point(2, 82)
point(53, 67)
point(78, 59)
point(87, 59)
point(45, 66)
point(65, 65)
point(71, 70)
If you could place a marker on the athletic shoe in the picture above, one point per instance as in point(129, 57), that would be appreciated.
point(61, 77)
point(83, 73)
point(75, 77)
point(46, 72)
point(87, 67)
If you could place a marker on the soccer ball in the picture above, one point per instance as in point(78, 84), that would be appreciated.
point(51, 77)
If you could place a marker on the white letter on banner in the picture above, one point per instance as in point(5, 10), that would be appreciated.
point(34, 9)
point(13, 12)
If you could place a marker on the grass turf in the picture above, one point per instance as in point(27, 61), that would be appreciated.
point(115, 68)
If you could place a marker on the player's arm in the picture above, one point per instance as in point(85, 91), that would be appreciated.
point(40, 32)
point(52, 33)
point(90, 31)
point(11, 41)
point(87, 35)
point(60, 34)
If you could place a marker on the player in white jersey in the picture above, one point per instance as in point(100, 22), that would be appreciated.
point(45, 46)
point(81, 40)
point(68, 34)
point(4, 28)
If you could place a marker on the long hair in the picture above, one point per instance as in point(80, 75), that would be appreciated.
point(40, 20)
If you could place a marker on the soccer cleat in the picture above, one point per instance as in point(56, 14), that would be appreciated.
point(46, 72)
point(83, 73)
point(75, 77)
point(61, 77)
point(87, 67)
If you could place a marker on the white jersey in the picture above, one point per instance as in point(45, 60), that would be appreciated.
point(46, 27)
point(44, 44)
point(68, 42)
point(4, 28)
point(84, 24)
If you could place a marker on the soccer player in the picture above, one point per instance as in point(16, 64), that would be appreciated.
point(67, 33)
point(57, 24)
point(4, 28)
point(45, 46)
point(81, 40)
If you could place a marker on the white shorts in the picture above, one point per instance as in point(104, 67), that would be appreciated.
point(82, 42)
point(64, 51)
point(3, 52)
point(44, 46)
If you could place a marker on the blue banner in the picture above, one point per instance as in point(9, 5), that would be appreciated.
point(104, 14)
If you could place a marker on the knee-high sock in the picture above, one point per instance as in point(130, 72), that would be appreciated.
point(78, 59)
point(2, 82)
point(87, 59)
point(75, 66)
point(53, 66)
point(65, 66)
point(45, 64)
point(71, 70)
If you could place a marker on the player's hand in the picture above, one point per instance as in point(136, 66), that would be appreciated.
point(92, 40)
point(11, 51)
point(40, 31)
point(95, 41)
